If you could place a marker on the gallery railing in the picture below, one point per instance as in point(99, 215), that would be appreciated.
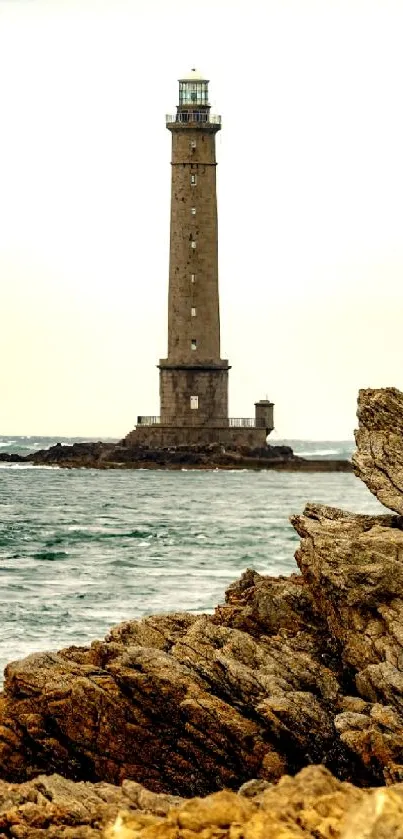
point(193, 116)
point(216, 422)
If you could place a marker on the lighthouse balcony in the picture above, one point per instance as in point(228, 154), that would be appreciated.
point(215, 422)
point(186, 117)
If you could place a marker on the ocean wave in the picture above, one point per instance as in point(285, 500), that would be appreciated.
point(22, 466)
point(69, 572)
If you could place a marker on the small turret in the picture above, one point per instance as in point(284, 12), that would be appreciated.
point(264, 415)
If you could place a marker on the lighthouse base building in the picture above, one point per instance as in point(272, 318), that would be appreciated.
point(193, 377)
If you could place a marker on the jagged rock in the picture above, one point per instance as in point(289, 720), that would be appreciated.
point(57, 808)
point(177, 703)
point(378, 460)
point(11, 457)
point(266, 605)
point(353, 565)
point(313, 805)
point(288, 672)
point(188, 704)
point(124, 455)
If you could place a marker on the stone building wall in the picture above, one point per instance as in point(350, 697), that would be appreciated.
point(157, 436)
point(179, 385)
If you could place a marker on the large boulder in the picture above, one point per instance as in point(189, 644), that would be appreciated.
point(178, 703)
point(378, 460)
point(353, 565)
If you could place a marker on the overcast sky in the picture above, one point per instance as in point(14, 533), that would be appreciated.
point(310, 202)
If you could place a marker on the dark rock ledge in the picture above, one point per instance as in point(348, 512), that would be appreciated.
point(298, 676)
point(214, 456)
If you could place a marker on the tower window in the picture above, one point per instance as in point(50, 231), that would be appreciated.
point(193, 245)
point(193, 312)
point(193, 278)
point(194, 403)
point(193, 344)
point(193, 144)
point(193, 180)
point(193, 211)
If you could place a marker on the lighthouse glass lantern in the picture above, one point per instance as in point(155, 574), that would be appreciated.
point(193, 91)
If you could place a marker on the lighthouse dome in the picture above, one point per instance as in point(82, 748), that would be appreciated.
point(193, 76)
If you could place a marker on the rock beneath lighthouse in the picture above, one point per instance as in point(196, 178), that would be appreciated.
point(378, 460)
point(127, 455)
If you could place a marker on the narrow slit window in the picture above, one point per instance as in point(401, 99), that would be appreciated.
point(193, 311)
point(193, 144)
point(193, 211)
point(193, 344)
point(193, 244)
point(193, 278)
point(193, 180)
point(194, 403)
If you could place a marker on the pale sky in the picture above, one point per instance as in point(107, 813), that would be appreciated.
point(310, 203)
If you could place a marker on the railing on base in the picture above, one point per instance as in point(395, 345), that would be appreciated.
point(216, 422)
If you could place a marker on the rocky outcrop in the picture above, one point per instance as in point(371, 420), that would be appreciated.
point(56, 808)
point(353, 566)
point(287, 673)
point(378, 460)
point(179, 703)
point(313, 805)
point(214, 456)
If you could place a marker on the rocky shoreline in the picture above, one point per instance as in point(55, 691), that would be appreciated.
point(123, 456)
point(284, 707)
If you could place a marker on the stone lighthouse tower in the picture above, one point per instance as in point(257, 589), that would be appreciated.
point(193, 377)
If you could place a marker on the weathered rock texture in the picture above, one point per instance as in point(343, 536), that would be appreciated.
point(288, 672)
point(378, 460)
point(56, 808)
point(179, 703)
point(189, 704)
point(313, 804)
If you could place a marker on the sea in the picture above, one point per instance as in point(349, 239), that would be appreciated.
point(82, 550)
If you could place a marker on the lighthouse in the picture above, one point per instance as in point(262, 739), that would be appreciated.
point(193, 376)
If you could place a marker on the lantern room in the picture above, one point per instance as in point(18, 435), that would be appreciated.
point(193, 90)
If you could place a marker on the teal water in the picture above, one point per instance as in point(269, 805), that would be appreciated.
point(81, 550)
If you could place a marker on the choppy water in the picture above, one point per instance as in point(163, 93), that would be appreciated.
point(81, 550)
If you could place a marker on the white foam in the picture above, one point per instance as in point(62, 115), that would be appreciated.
point(26, 466)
